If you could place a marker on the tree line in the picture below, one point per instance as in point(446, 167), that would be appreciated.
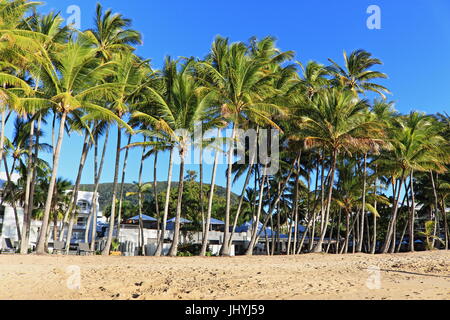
point(346, 163)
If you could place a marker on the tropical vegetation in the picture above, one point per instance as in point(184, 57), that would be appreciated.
point(351, 168)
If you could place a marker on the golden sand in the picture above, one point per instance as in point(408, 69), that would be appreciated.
point(421, 275)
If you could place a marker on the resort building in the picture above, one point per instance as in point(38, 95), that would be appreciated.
point(8, 227)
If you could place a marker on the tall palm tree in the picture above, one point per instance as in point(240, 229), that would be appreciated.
point(181, 106)
point(241, 82)
point(335, 123)
point(73, 82)
point(356, 75)
point(416, 146)
point(112, 34)
point(133, 75)
point(47, 34)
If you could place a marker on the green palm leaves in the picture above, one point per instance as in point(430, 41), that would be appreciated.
point(416, 145)
point(357, 75)
point(91, 80)
point(336, 121)
point(112, 33)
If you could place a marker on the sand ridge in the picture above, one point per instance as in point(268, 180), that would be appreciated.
point(420, 275)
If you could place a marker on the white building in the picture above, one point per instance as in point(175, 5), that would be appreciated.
point(8, 228)
point(84, 205)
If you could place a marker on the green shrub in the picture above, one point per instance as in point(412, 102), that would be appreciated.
point(115, 245)
point(189, 250)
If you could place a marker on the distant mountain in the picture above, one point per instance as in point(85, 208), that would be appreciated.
point(105, 192)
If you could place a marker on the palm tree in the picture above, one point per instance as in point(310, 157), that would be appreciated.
point(178, 106)
point(73, 83)
point(348, 196)
point(416, 146)
point(141, 189)
point(335, 122)
point(112, 34)
point(429, 235)
point(356, 75)
point(241, 81)
point(47, 34)
point(98, 170)
point(133, 75)
point(207, 221)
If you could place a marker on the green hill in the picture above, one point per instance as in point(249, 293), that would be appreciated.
point(105, 191)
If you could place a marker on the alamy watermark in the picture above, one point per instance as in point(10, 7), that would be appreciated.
point(73, 282)
point(373, 282)
point(74, 19)
point(374, 20)
point(250, 146)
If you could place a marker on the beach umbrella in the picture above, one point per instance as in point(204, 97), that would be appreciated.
point(216, 222)
point(182, 220)
point(144, 218)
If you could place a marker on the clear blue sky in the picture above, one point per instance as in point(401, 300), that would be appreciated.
point(413, 43)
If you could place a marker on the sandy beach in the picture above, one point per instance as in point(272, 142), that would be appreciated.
point(424, 275)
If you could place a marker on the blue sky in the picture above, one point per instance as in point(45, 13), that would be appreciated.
point(413, 43)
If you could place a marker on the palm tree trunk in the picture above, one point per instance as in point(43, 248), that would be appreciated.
point(32, 172)
point(141, 223)
point(200, 168)
point(47, 236)
point(278, 240)
point(402, 236)
point(363, 211)
point(270, 219)
point(13, 200)
point(389, 234)
point(26, 207)
point(412, 214)
point(53, 135)
point(338, 231)
point(174, 248)
point(274, 204)
point(247, 181)
point(69, 231)
point(272, 249)
point(225, 250)
point(2, 134)
point(241, 202)
point(74, 197)
point(290, 225)
point(322, 205)
point(316, 202)
point(55, 227)
point(331, 236)
point(302, 241)
point(255, 230)
point(297, 178)
point(41, 242)
point(13, 167)
point(436, 201)
point(122, 183)
point(374, 240)
point(347, 231)
point(97, 176)
point(318, 247)
point(368, 241)
point(88, 228)
point(444, 213)
point(160, 245)
point(155, 193)
point(112, 217)
point(210, 202)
